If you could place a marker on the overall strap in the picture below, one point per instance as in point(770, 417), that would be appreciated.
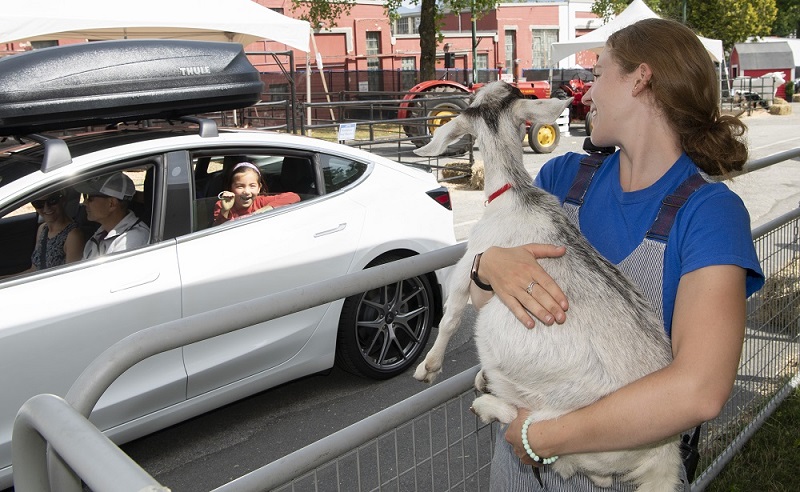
point(660, 229)
point(590, 163)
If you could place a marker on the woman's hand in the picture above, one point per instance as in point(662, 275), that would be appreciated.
point(514, 437)
point(521, 283)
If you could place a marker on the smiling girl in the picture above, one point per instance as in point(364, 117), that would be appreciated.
point(243, 196)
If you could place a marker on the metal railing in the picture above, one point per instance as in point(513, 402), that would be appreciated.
point(427, 442)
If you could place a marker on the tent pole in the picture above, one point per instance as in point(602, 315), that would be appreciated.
point(322, 75)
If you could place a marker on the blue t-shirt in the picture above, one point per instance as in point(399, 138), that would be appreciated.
point(712, 227)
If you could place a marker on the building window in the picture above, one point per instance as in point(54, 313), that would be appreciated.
point(407, 25)
point(276, 9)
point(511, 50)
point(408, 72)
point(37, 45)
point(482, 61)
point(374, 76)
point(542, 47)
point(278, 92)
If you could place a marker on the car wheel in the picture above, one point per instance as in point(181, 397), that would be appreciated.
point(383, 331)
point(544, 138)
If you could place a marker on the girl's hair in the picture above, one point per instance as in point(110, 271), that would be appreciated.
point(685, 87)
point(240, 168)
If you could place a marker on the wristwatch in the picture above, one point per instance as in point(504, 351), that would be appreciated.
point(476, 263)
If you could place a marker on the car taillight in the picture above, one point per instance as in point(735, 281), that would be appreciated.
point(442, 197)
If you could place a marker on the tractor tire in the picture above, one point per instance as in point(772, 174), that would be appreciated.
point(544, 139)
point(435, 115)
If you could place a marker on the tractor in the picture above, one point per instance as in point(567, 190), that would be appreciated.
point(432, 103)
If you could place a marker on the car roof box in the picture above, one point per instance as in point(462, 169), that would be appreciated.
point(124, 80)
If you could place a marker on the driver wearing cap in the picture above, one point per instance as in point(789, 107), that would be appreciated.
point(106, 200)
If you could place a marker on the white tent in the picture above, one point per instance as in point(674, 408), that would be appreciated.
point(241, 21)
point(596, 39)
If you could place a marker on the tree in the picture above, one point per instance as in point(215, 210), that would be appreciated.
point(787, 22)
point(324, 13)
point(731, 21)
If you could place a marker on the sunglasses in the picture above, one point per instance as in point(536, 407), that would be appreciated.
point(49, 201)
point(87, 197)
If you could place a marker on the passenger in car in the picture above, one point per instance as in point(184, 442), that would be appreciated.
point(244, 195)
point(59, 240)
point(107, 201)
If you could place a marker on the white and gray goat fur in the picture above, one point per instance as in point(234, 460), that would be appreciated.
point(611, 336)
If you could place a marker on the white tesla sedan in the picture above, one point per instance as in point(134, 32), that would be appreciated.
point(355, 210)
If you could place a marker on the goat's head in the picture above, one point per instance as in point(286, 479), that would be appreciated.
point(497, 115)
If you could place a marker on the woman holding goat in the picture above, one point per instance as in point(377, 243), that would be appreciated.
point(655, 98)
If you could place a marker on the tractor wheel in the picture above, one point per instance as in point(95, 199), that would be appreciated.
point(431, 114)
point(544, 138)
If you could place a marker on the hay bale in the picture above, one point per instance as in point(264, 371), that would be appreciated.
point(796, 98)
point(476, 181)
point(780, 109)
point(455, 172)
point(777, 304)
point(779, 100)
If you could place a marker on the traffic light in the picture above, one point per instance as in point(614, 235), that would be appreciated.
point(449, 60)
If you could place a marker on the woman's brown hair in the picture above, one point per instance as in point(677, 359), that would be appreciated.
point(685, 87)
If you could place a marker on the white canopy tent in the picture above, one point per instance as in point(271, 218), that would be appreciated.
point(240, 21)
point(636, 11)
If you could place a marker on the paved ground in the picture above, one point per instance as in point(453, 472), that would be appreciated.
point(767, 193)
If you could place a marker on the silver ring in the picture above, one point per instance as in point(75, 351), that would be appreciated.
point(529, 288)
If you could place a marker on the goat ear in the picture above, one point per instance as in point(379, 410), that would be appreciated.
point(544, 111)
point(445, 135)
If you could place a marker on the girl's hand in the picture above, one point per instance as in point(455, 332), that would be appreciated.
point(521, 283)
point(226, 200)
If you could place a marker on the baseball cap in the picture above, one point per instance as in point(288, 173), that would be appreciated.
point(117, 185)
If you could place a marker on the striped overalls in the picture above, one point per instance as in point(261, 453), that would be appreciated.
point(645, 267)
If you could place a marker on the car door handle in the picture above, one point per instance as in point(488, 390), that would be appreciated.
point(338, 228)
point(146, 279)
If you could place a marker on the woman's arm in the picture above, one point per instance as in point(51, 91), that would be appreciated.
point(510, 270)
point(73, 246)
point(707, 337)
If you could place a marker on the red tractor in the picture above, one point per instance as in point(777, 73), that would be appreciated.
point(433, 103)
point(576, 88)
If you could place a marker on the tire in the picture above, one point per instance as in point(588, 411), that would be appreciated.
point(382, 332)
point(436, 115)
point(588, 124)
point(544, 138)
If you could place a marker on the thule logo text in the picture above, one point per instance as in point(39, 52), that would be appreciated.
point(195, 70)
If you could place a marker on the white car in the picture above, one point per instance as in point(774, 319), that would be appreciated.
point(356, 210)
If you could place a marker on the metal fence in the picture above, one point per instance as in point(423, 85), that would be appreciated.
point(431, 441)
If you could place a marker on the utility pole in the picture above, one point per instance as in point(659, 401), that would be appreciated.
point(474, 42)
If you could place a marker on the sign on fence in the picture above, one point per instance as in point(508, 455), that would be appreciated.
point(347, 131)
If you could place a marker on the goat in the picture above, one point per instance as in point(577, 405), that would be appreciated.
point(611, 336)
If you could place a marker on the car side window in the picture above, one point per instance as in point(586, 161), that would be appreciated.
point(280, 173)
point(339, 172)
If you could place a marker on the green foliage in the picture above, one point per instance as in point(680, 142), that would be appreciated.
point(323, 13)
point(788, 19)
point(731, 21)
point(789, 90)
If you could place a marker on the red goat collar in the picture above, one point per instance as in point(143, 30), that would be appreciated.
point(499, 192)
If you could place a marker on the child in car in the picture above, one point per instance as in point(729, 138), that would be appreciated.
point(243, 195)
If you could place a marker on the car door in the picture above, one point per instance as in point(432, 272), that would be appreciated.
point(56, 321)
point(255, 256)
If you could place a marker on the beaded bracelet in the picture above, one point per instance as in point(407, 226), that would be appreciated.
point(534, 456)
